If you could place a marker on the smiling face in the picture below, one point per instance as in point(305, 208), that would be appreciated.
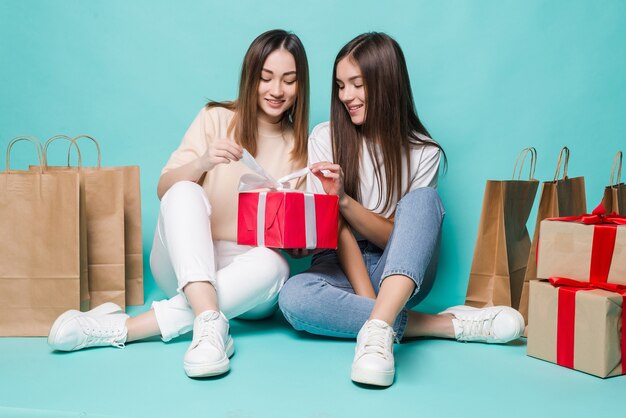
point(351, 89)
point(278, 86)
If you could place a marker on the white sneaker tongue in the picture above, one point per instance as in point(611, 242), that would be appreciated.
point(209, 315)
point(378, 323)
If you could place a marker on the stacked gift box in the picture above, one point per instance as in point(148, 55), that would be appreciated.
point(575, 313)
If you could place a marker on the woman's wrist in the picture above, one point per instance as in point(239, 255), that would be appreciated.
point(199, 167)
point(344, 202)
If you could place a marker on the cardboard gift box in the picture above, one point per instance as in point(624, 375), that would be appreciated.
point(287, 219)
point(586, 248)
point(576, 325)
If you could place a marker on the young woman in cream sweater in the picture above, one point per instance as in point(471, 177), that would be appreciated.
point(195, 260)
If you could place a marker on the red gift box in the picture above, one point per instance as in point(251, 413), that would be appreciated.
point(287, 219)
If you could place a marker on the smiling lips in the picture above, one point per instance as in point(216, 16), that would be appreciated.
point(275, 104)
point(354, 109)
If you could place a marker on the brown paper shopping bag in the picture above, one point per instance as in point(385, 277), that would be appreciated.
point(559, 197)
point(103, 194)
point(614, 199)
point(40, 247)
point(502, 243)
point(133, 243)
point(84, 266)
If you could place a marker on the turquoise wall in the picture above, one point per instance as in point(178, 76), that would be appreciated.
point(489, 78)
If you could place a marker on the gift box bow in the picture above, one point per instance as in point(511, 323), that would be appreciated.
point(264, 183)
point(604, 235)
point(566, 316)
point(597, 217)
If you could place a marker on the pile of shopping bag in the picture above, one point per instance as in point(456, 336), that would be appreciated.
point(71, 236)
point(569, 281)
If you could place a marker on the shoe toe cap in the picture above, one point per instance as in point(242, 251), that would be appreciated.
point(202, 355)
point(374, 363)
point(66, 338)
point(508, 325)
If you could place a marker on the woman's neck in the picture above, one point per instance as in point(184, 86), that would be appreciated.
point(268, 128)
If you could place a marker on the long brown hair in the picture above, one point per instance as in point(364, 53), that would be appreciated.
point(391, 122)
point(244, 124)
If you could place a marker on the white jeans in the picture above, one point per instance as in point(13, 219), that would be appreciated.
point(247, 279)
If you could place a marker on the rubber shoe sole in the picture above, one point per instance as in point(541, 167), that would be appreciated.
point(371, 377)
point(214, 369)
point(61, 321)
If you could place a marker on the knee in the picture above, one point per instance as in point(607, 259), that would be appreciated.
point(273, 266)
point(423, 199)
point(292, 299)
point(183, 193)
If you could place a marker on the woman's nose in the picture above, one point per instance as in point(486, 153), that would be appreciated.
point(346, 94)
point(276, 88)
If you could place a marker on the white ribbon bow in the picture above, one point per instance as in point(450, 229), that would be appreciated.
point(261, 179)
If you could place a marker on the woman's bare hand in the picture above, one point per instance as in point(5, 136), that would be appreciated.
point(222, 151)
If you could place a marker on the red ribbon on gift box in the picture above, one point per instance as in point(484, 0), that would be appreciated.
point(604, 234)
point(566, 317)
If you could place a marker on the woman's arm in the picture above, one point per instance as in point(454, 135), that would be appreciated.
point(371, 226)
point(222, 151)
point(351, 261)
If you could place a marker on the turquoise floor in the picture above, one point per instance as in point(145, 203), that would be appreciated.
point(277, 372)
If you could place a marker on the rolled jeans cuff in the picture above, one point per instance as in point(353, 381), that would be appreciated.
point(403, 272)
point(173, 317)
point(193, 278)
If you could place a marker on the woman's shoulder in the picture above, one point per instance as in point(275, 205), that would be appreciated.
point(426, 146)
point(321, 131)
point(320, 147)
point(217, 113)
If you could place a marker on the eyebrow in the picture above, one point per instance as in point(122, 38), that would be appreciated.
point(272, 72)
point(350, 79)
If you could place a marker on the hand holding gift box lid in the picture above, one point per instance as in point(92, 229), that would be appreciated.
point(590, 247)
point(270, 214)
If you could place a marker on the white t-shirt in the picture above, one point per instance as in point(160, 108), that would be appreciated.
point(424, 169)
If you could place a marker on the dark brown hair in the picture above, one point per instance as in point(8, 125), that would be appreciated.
point(244, 125)
point(391, 123)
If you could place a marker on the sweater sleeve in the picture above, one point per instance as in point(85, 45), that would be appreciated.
point(194, 143)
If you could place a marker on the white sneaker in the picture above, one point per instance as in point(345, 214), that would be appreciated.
point(211, 346)
point(101, 326)
point(373, 358)
point(496, 324)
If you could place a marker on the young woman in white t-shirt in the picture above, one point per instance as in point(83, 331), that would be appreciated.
point(378, 157)
point(195, 259)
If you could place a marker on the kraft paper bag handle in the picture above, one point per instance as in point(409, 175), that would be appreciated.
point(67, 138)
point(617, 164)
point(533, 163)
point(33, 141)
point(564, 152)
point(75, 140)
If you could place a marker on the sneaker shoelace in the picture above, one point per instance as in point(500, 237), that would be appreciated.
point(208, 332)
point(377, 339)
point(476, 327)
point(106, 334)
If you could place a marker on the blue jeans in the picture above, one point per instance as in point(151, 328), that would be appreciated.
point(322, 301)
